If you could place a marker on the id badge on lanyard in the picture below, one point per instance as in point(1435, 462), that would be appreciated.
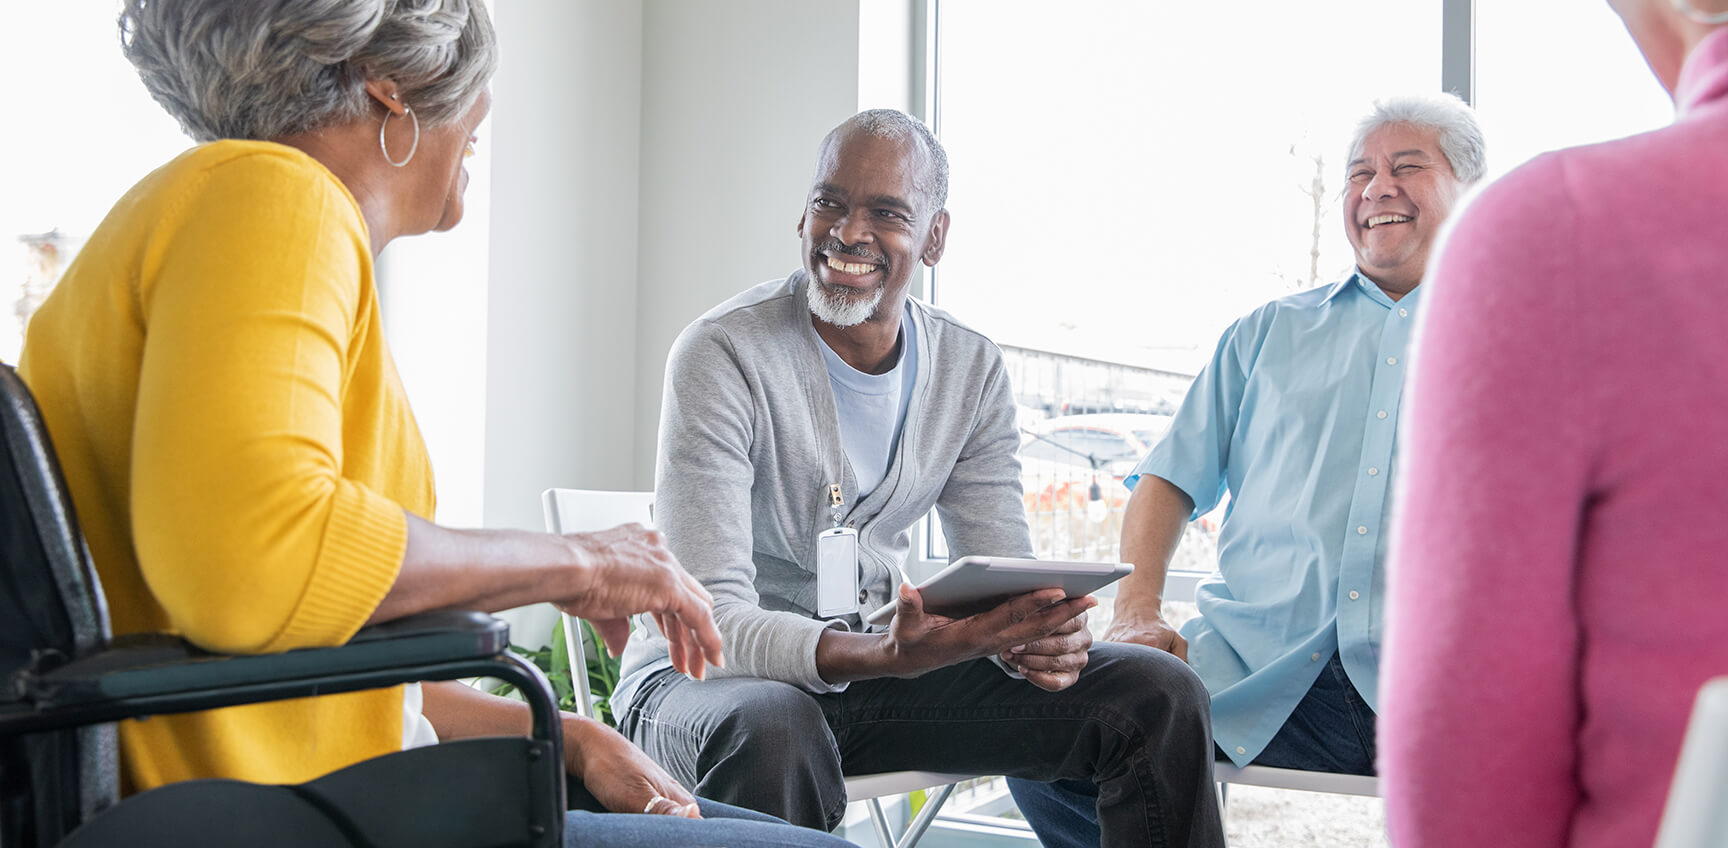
point(836, 564)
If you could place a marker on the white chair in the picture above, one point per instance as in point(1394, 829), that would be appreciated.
point(1696, 815)
point(581, 510)
point(1180, 586)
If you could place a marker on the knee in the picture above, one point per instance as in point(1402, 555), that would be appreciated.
point(779, 727)
point(1159, 681)
point(780, 730)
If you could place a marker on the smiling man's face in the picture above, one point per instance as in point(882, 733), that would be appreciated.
point(1401, 188)
point(866, 226)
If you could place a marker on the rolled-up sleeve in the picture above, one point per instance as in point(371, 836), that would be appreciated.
point(1195, 453)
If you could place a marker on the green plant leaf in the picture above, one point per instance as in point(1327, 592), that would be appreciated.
point(602, 674)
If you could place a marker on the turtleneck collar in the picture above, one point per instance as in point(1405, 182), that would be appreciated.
point(1704, 76)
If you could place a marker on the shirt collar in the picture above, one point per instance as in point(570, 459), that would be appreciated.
point(1360, 282)
point(1704, 76)
point(1341, 286)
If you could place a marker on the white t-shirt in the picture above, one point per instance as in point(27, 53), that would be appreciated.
point(416, 730)
point(872, 408)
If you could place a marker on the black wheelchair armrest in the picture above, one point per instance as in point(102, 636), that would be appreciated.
point(152, 674)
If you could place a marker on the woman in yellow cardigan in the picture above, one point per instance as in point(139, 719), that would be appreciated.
point(247, 469)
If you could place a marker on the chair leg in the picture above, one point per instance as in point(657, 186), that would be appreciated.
point(578, 657)
point(880, 823)
point(921, 822)
point(916, 828)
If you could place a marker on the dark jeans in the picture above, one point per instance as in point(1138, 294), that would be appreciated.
point(1332, 730)
point(1134, 724)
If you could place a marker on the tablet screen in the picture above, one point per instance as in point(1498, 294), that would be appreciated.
point(976, 584)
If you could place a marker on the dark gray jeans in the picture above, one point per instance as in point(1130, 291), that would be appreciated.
point(1135, 724)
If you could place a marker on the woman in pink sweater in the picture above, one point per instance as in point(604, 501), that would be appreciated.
point(1561, 561)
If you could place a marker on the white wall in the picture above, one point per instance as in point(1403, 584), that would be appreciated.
point(561, 332)
point(735, 98)
point(651, 159)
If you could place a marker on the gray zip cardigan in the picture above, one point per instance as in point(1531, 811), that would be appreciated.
point(749, 443)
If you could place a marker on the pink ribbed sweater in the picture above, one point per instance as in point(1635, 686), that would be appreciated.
point(1559, 582)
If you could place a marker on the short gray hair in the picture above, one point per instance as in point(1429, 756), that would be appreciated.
point(261, 69)
point(895, 124)
point(1452, 121)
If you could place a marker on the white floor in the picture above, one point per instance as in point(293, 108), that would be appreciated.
point(1257, 817)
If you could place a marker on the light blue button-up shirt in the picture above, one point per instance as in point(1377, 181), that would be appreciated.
point(1296, 417)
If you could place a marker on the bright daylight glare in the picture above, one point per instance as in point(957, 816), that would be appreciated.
point(1129, 177)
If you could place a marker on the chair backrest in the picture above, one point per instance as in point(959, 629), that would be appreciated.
point(51, 612)
point(1696, 815)
point(581, 511)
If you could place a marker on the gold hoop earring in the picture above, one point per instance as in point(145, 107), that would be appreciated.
point(385, 148)
point(1699, 16)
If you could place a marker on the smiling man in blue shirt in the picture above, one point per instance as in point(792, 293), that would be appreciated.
point(1295, 418)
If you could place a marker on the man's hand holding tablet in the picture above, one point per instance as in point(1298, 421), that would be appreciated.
point(1016, 610)
point(974, 584)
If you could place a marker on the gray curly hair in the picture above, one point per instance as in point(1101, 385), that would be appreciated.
point(894, 124)
point(1452, 121)
point(260, 69)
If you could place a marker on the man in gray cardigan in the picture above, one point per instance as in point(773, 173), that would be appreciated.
point(830, 399)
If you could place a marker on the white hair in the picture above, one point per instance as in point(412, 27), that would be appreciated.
point(838, 309)
point(1452, 121)
point(262, 69)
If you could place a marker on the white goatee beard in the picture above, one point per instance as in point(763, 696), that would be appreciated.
point(839, 310)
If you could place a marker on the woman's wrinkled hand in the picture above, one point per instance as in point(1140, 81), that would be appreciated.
point(619, 775)
point(627, 570)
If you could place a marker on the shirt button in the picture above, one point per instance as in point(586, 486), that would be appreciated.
point(1241, 750)
point(1403, 313)
point(1361, 531)
point(1391, 360)
point(1380, 414)
point(1373, 471)
point(863, 595)
point(1354, 595)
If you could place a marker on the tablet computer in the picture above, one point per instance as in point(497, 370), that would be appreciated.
point(974, 584)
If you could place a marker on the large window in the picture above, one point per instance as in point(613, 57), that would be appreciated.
point(1130, 177)
point(1557, 73)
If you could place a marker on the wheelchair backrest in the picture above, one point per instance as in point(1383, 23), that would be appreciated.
point(51, 612)
point(51, 606)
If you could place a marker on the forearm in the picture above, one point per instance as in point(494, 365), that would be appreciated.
point(459, 711)
point(1152, 526)
point(842, 656)
point(486, 570)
